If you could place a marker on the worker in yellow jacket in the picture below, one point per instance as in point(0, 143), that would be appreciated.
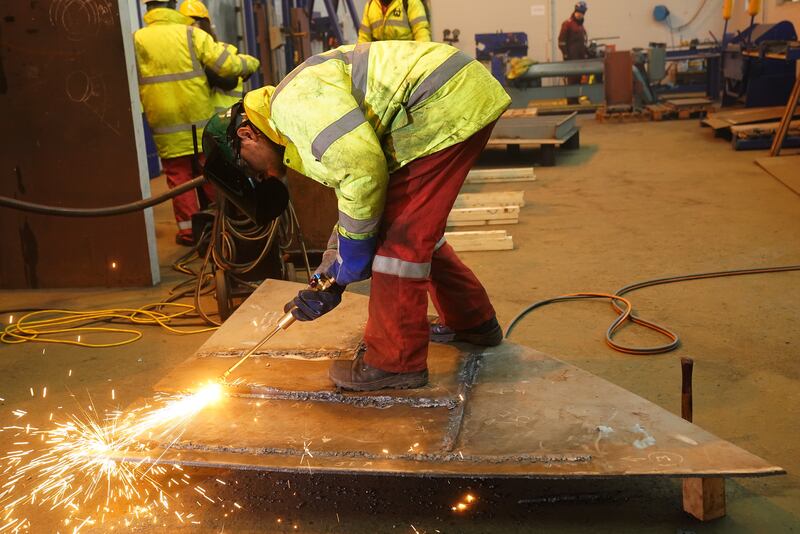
point(396, 145)
point(171, 58)
point(225, 92)
point(394, 20)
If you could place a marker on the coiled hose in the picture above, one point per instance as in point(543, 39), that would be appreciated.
point(624, 308)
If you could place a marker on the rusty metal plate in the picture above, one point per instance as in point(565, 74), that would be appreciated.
point(508, 411)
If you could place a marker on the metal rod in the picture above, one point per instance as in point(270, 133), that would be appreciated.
point(334, 21)
point(282, 324)
point(687, 365)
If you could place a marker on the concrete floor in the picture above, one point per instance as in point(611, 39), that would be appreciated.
point(638, 201)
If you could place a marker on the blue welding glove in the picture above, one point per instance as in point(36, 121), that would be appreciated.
point(310, 304)
point(354, 262)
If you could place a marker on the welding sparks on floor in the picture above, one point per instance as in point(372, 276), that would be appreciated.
point(78, 466)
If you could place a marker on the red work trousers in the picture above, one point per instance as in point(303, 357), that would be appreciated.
point(179, 171)
point(412, 260)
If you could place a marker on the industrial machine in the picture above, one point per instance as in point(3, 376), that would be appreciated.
point(760, 64)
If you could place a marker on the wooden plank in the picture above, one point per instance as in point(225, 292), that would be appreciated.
point(499, 198)
point(521, 112)
point(770, 112)
point(786, 119)
point(500, 175)
point(484, 215)
point(704, 498)
point(784, 169)
point(480, 241)
point(683, 102)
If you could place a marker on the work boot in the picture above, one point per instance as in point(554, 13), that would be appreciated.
point(357, 375)
point(488, 334)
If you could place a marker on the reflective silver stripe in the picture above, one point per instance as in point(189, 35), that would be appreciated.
point(401, 268)
point(244, 65)
point(178, 127)
point(178, 76)
point(440, 76)
point(417, 20)
point(355, 226)
point(439, 244)
point(336, 130)
point(221, 61)
point(310, 62)
point(190, 44)
point(399, 23)
point(360, 62)
point(184, 225)
point(171, 77)
point(376, 24)
point(364, 28)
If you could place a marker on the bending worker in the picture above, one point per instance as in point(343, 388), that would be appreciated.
point(394, 20)
point(171, 56)
point(225, 92)
point(396, 145)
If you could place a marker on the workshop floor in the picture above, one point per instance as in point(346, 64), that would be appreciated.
point(637, 201)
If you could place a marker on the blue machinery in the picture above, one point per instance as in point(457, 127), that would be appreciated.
point(759, 65)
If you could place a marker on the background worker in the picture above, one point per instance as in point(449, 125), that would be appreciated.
point(397, 160)
point(394, 20)
point(573, 41)
point(225, 92)
point(171, 56)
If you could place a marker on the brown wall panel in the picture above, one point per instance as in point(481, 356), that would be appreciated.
point(67, 140)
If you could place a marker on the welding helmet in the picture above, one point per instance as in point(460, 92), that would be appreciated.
point(581, 7)
point(262, 200)
point(195, 9)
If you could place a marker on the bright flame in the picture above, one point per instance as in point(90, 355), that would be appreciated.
point(82, 461)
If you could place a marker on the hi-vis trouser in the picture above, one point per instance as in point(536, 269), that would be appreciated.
point(413, 260)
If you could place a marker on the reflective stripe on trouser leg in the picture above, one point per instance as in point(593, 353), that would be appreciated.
point(397, 332)
point(179, 171)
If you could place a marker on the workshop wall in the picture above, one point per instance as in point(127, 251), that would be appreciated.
point(632, 22)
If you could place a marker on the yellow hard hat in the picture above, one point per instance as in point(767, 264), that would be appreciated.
point(194, 8)
point(257, 109)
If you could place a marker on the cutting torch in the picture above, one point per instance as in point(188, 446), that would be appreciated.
point(319, 282)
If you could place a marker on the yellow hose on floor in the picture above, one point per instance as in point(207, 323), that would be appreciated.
point(40, 326)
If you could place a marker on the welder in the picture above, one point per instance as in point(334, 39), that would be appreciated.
point(171, 56)
point(394, 20)
point(396, 145)
point(225, 92)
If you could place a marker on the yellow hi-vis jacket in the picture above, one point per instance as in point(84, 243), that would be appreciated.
point(170, 57)
point(395, 24)
point(355, 114)
point(223, 99)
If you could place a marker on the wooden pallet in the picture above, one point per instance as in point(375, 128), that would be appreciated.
point(484, 215)
point(611, 114)
point(482, 200)
point(500, 175)
point(480, 241)
point(689, 108)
